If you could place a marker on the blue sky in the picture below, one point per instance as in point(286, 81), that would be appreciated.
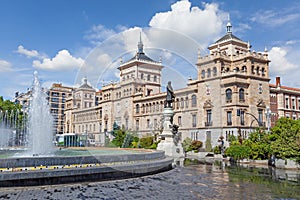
point(67, 40)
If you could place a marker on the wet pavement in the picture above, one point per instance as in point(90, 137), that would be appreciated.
point(191, 182)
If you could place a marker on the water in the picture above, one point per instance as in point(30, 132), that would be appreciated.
point(12, 129)
point(40, 140)
point(193, 181)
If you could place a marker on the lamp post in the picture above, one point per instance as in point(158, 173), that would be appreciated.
point(268, 115)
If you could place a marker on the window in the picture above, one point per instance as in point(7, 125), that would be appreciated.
point(242, 117)
point(148, 77)
point(228, 95)
point(181, 103)
point(260, 117)
point(203, 74)
point(137, 124)
point(155, 78)
point(208, 118)
point(215, 71)
point(194, 101)
point(242, 95)
point(137, 108)
point(179, 121)
point(142, 76)
point(55, 99)
point(148, 123)
point(293, 104)
point(263, 71)
point(55, 94)
point(244, 68)
point(155, 122)
point(229, 118)
point(287, 103)
point(208, 72)
point(194, 120)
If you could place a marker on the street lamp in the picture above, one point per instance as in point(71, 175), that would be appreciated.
point(268, 115)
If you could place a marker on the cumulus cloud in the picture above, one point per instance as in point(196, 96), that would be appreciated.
point(29, 53)
point(203, 25)
point(5, 66)
point(62, 61)
point(279, 62)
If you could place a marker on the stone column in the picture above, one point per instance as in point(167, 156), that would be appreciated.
point(167, 143)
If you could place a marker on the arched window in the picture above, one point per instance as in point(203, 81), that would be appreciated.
point(137, 108)
point(244, 68)
point(241, 94)
point(203, 74)
point(215, 71)
point(228, 94)
point(208, 72)
point(263, 71)
point(148, 77)
point(194, 101)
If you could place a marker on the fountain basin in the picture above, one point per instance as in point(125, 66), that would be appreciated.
point(63, 169)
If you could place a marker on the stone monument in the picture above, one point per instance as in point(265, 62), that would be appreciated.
point(170, 137)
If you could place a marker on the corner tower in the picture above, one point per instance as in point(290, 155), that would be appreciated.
point(233, 84)
point(143, 73)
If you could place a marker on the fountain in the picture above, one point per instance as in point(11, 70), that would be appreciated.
point(41, 164)
point(40, 138)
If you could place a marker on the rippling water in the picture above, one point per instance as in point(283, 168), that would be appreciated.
point(193, 181)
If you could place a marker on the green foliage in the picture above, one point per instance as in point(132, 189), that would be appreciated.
point(259, 145)
point(217, 150)
point(119, 137)
point(186, 144)
point(285, 139)
point(238, 152)
point(196, 145)
point(146, 142)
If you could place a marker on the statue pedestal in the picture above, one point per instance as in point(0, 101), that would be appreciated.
point(167, 143)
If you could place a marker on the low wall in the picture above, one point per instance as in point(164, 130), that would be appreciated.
point(66, 160)
point(59, 176)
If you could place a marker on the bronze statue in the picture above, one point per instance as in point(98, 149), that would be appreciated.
point(170, 96)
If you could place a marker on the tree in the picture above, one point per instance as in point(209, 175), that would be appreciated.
point(285, 138)
point(259, 145)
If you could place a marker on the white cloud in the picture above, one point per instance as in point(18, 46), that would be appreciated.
point(279, 62)
point(273, 18)
point(62, 61)
point(29, 53)
point(203, 25)
point(5, 66)
point(98, 33)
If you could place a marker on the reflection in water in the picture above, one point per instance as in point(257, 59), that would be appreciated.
point(246, 182)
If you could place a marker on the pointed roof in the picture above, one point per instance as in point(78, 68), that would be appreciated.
point(228, 37)
point(140, 55)
point(85, 84)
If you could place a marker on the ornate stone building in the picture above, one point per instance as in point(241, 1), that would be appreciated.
point(229, 96)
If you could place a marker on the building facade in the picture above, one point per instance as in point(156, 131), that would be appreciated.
point(284, 102)
point(229, 96)
point(57, 95)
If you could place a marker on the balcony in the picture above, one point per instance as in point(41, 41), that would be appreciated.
point(208, 123)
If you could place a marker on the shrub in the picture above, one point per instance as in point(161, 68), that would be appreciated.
point(238, 152)
point(196, 145)
point(146, 142)
point(217, 150)
point(186, 144)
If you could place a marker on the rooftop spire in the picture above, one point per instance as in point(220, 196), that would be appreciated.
point(228, 26)
point(140, 44)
